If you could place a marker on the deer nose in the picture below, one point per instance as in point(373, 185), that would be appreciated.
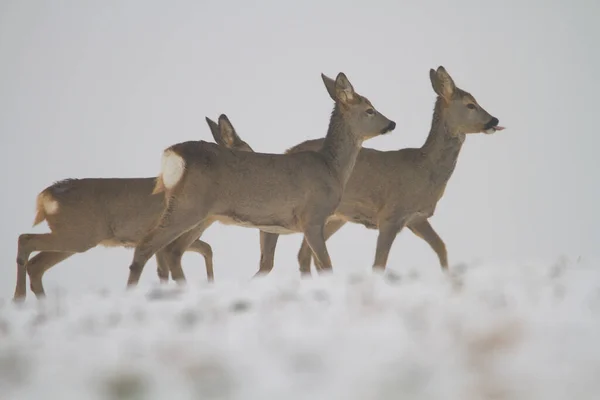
point(493, 122)
point(390, 127)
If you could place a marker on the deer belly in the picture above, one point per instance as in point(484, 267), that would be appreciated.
point(116, 242)
point(418, 216)
point(357, 213)
point(269, 228)
point(275, 229)
point(368, 221)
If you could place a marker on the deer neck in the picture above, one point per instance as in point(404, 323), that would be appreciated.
point(441, 149)
point(340, 147)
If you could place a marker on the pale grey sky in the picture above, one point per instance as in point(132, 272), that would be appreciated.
point(100, 88)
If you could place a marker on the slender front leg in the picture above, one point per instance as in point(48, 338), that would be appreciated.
point(425, 231)
point(162, 267)
point(305, 254)
point(387, 234)
point(206, 250)
point(316, 240)
point(174, 250)
point(197, 246)
point(268, 243)
point(304, 258)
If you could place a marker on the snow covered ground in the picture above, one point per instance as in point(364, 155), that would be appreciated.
point(523, 331)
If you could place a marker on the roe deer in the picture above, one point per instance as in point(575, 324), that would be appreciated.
point(226, 136)
point(278, 193)
point(389, 190)
point(84, 213)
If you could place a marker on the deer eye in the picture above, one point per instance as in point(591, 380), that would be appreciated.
point(370, 111)
point(471, 106)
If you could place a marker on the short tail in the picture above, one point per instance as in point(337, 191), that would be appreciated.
point(171, 172)
point(45, 204)
point(159, 187)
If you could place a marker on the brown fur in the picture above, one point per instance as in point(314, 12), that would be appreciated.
point(159, 187)
point(226, 136)
point(239, 187)
point(91, 212)
point(389, 190)
point(40, 209)
point(112, 212)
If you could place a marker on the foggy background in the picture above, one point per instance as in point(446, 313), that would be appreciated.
point(100, 88)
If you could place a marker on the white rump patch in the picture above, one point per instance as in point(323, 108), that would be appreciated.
point(173, 166)
point(50, 205)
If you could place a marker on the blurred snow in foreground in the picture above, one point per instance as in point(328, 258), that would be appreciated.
point(497, 332)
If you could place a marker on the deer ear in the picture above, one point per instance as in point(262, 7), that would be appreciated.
point(435, 83)
point(343, 89)
point(442, 83)
point(330, 86)
point(228, 134)
point(214, 129)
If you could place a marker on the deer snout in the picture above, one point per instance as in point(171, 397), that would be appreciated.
point(493, 122)
point(492, 126)
point(390, 127)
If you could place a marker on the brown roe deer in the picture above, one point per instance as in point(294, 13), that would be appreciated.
point(85, 213)
point(277, 193)
point(390, 190)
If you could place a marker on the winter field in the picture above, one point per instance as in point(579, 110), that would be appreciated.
point(523, 331)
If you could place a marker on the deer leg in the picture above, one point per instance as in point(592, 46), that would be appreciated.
point(387, 234)
point(204, 248)
point(268, 242)
point(46, 243)
point(174, 222)
point(30, 242)
point(425, 231)
point(305, 254)
point(21, 286)
point(316, 240)
point(36, 267)
point(174, 250)
point(162, 267)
